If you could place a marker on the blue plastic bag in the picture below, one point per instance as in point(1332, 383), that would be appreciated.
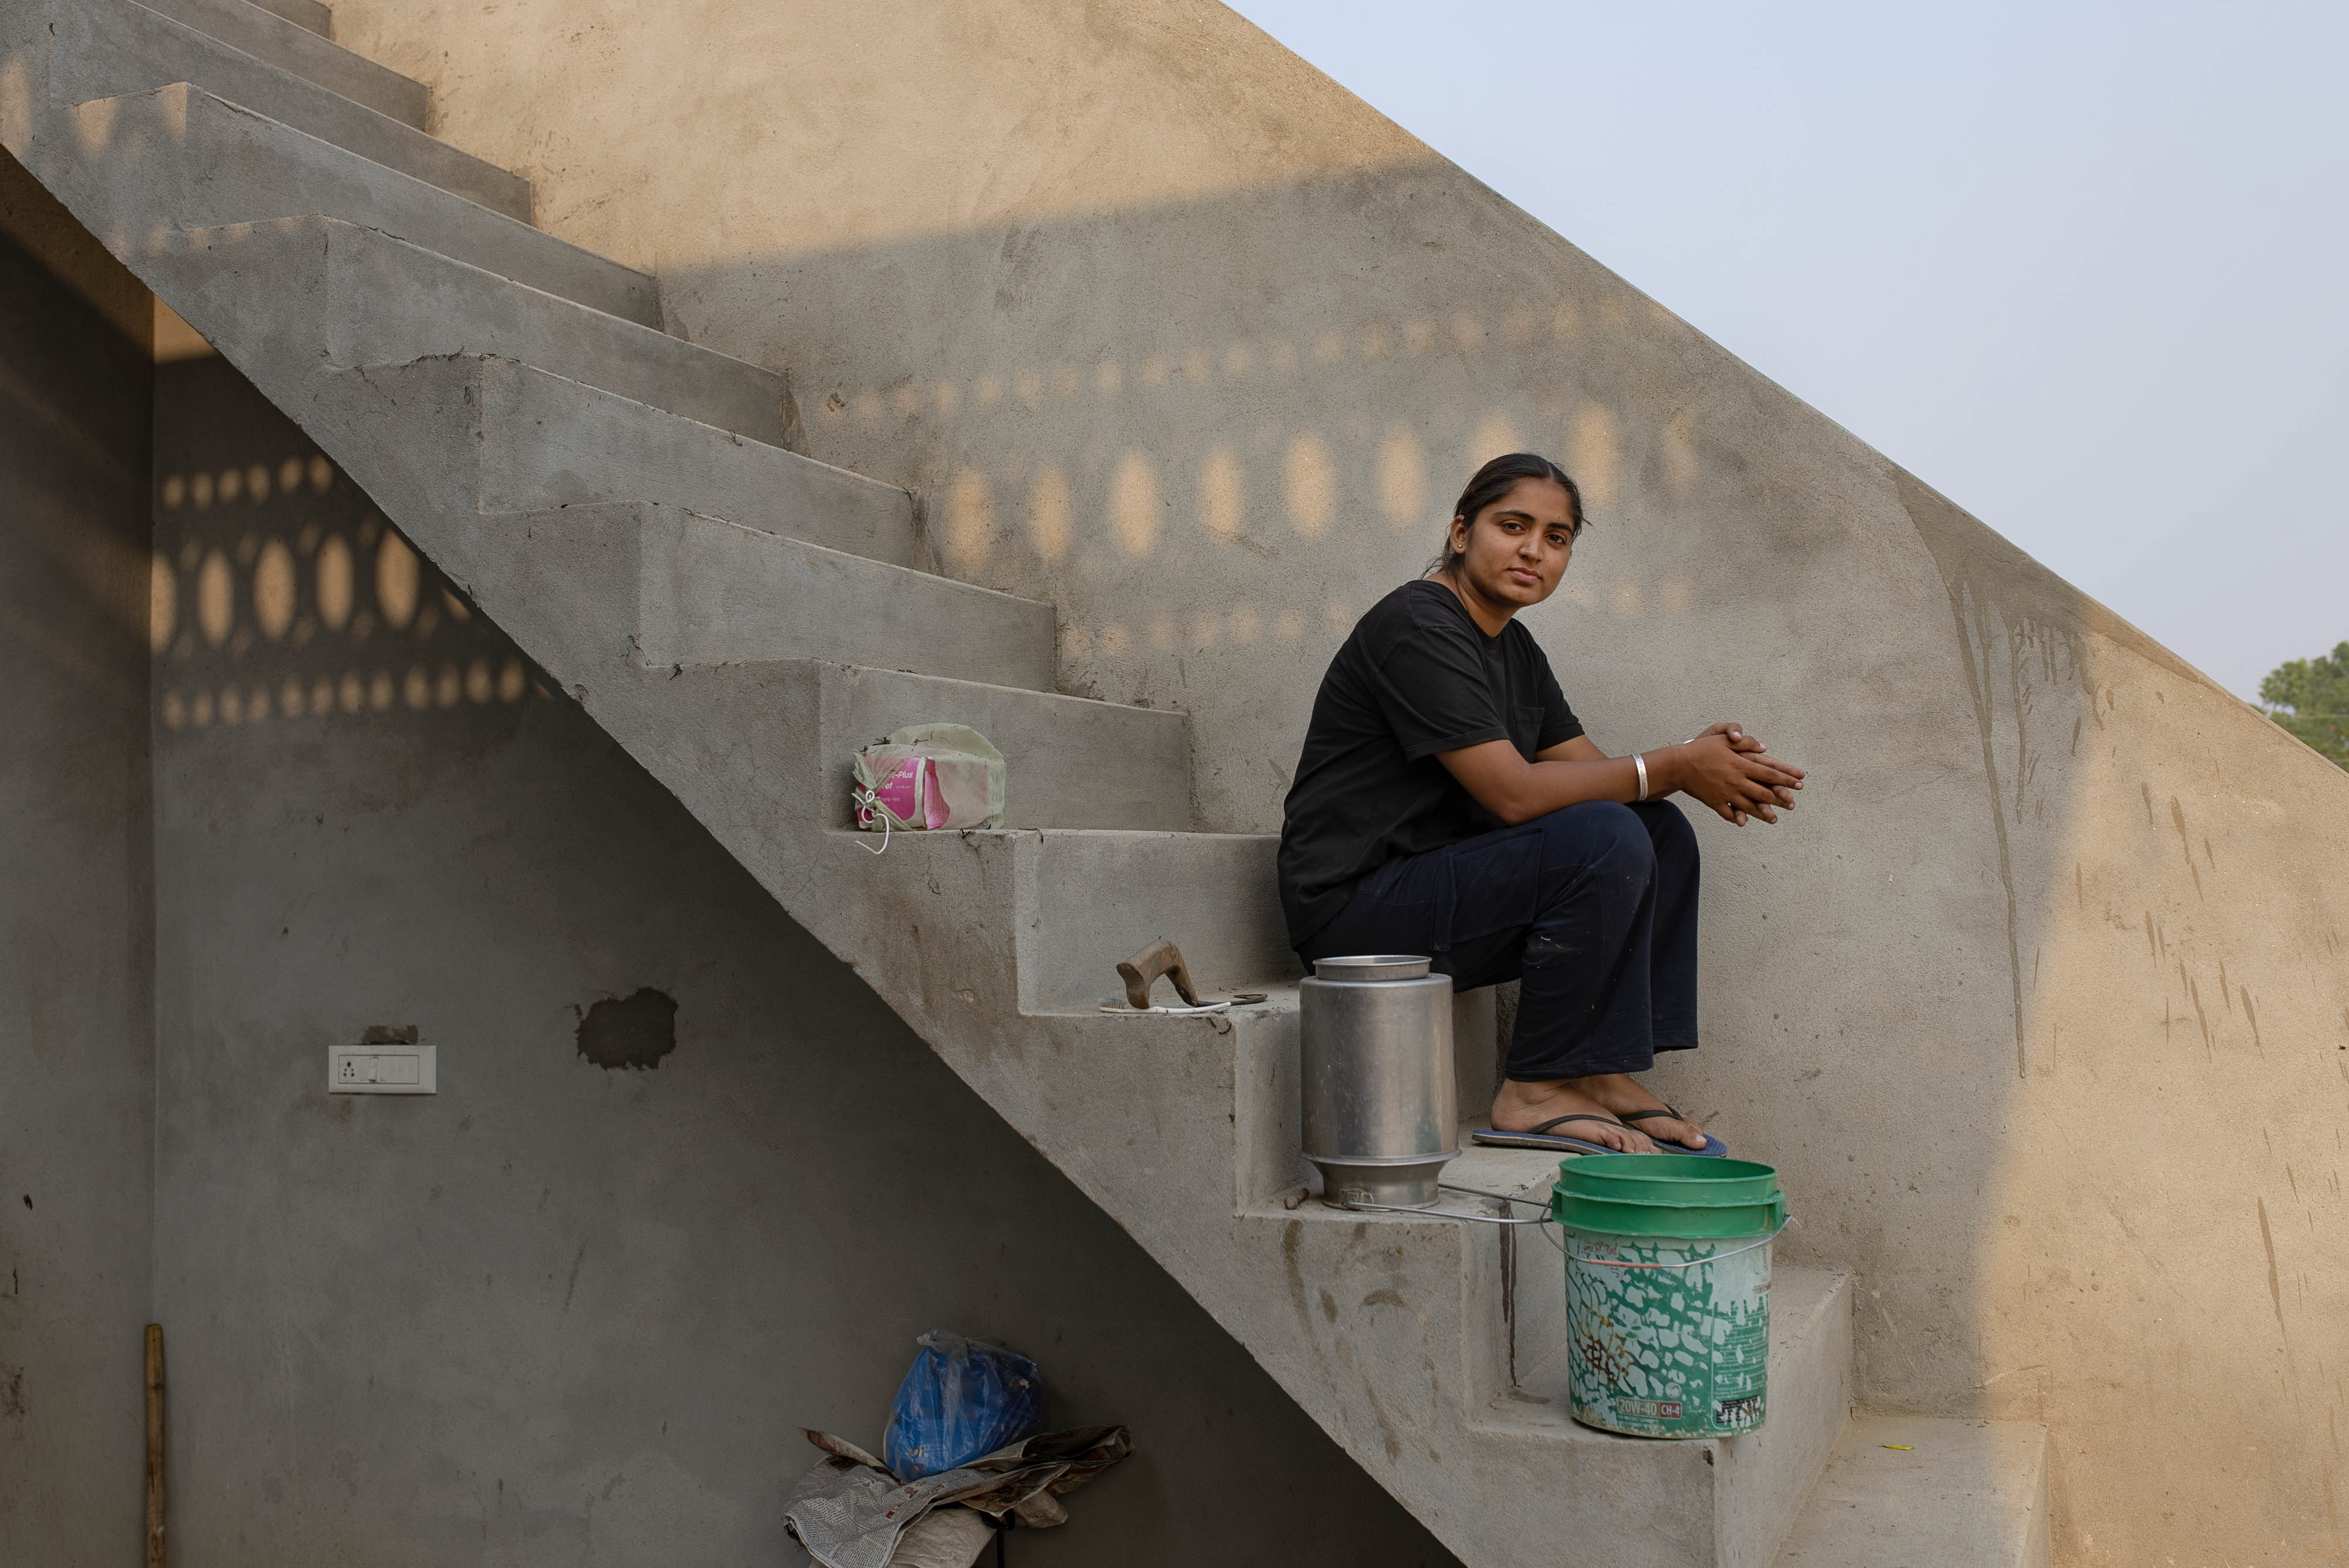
point(960, 1399)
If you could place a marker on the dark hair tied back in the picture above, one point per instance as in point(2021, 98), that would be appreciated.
point(1494, 481)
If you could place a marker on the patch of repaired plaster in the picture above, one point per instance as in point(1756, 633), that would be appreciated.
point(629, 1031)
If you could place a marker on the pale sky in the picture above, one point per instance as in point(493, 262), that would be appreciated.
point(2078, 266)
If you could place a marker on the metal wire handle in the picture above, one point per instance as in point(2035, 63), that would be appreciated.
point(1542, 1219)
point(1443, 1214)
point(1692, 1263)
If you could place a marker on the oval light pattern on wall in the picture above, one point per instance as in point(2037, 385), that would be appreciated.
point(273, 589)
point(1402, 478)
point(163, 603)
point(215, 598)
point(1048, 511)
point(970, 517)
point(1222, 501)
point(1593, 452)
point(335, 583)
point(1495, 435)
point(1133, 503)
point(1309, 478)
point(395, 579)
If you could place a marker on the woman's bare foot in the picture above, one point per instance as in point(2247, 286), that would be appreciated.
point(1521, 1108)
point(1619, 1093)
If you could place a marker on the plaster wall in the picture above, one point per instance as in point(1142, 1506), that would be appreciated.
point(2038, 1001)
point(564, 1311)
point(75, 1007)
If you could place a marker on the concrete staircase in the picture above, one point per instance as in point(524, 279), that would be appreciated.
point(626, 505)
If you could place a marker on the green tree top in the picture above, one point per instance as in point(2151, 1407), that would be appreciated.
point(2310, 697)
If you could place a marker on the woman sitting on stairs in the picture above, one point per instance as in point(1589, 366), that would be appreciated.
point(1448, 803)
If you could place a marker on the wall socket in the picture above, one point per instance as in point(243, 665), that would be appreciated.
point(393, 1068)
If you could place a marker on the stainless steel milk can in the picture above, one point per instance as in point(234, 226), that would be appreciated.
point(1381, 1113)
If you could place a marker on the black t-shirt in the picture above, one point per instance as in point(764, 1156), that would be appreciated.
point(1416, 677)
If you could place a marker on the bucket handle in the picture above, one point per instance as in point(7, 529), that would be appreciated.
point(1692, 1263)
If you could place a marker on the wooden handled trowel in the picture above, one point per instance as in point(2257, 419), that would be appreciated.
point(1162, 957)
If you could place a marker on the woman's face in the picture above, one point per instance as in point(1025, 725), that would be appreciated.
point(1518, 549)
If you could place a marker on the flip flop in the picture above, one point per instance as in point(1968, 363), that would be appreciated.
point(1542, 1137)
point(1713, 1148)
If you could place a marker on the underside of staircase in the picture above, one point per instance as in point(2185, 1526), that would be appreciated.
point(742, 617)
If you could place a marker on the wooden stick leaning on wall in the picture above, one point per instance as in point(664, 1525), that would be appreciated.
point(154, 1445)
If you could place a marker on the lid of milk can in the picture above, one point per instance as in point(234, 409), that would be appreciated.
point(1371, 966)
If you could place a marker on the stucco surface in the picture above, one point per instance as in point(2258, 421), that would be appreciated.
point(76, 1127)
point(560, 1312)
point(2038, 1000)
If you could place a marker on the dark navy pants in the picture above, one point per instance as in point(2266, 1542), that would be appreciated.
point(1591, 909)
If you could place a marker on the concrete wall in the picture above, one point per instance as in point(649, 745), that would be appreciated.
point(75, 1008)
point(2039, 1002)
point(564, 1312)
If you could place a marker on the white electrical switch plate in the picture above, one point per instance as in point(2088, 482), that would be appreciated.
point(379, 1069)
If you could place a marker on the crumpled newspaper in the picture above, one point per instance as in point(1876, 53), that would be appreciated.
point(849, 1511)
point(948, 1537)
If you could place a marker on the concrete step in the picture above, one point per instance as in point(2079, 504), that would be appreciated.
point(181, 157)
point(1385, 1332)
point(663, 588)
point(111, 48)
point(294, 296)
point(1068, 762)
point(308, 14)
point(1268, 1140)
point(1715, 1502)
point(1756, 1481)
point(1089, 899)
point(1923, 1491)
point(1031, 923)
point(513, 437)
point(276, 41)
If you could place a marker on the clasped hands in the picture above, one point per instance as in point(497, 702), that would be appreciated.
point(1731, 771)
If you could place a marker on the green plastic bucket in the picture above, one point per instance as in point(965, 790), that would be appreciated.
point(1668, 1291)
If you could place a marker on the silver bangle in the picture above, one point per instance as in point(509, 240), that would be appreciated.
point(1640, 763)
